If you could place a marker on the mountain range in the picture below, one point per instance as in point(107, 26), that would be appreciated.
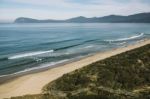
point(135, 18)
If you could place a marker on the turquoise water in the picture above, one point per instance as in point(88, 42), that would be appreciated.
point(26, 47)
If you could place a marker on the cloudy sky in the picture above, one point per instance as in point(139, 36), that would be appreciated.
point(63, 9)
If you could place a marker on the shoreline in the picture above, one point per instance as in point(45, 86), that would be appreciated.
point(8, 77)
point(22, 85)
point(13, 76)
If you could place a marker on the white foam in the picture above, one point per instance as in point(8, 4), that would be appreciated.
point(30, 54)
point(121, 43)
point(90, 46)
point(46, 65)
point(129, 38)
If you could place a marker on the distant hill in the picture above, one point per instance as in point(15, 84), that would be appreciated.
point(136, 18)
point(30, 20)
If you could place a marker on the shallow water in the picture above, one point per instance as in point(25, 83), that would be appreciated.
point(25, 47)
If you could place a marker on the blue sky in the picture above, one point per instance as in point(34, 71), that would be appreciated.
point(63, 9)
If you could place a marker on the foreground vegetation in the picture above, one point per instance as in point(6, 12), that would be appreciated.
point(124, 76)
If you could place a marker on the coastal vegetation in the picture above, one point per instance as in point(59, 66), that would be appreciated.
point(124, 76)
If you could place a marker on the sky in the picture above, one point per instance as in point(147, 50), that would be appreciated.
point(64, 9)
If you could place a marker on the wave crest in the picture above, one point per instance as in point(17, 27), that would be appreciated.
point(125, 39)
point(30, 54)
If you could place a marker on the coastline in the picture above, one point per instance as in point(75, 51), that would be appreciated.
point(33, 82)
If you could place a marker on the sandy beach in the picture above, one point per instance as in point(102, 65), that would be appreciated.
point(33, 83)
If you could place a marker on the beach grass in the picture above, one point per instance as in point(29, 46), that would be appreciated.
point(123, 76)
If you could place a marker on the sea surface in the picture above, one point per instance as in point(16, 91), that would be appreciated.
point(28, 47)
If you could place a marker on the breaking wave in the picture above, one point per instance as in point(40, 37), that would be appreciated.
point(125, 39)
point(29, 54)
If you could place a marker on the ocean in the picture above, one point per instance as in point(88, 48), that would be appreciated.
point(29, 47)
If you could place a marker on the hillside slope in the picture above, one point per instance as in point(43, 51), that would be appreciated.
point(124, 76)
